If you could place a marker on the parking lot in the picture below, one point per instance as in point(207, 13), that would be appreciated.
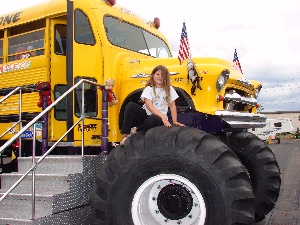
point(287, 208)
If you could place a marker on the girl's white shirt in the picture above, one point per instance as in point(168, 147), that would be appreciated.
point(159, 102)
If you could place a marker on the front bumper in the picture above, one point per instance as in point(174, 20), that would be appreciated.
point(242, 120)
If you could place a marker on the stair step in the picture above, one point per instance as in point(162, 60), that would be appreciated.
point(20, 206)
point(62, 186)
point(77, 216)
point(11, 221)
point(44, 183)
point(53, 164)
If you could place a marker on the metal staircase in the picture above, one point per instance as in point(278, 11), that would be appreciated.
point(62, 191)
point(51, 189)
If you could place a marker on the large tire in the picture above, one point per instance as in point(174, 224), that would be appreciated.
point(178, 175)
point(263, 169)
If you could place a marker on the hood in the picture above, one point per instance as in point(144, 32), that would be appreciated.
point(134, 68)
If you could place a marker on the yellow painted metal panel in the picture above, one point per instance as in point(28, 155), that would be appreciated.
point(29, 104)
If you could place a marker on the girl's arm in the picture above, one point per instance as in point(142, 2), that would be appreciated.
point(155, 111)
point(173, 110)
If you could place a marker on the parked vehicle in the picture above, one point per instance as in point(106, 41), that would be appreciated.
point(209, 172)
point(274, 129)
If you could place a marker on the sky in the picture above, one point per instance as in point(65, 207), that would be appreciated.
point(265, 33)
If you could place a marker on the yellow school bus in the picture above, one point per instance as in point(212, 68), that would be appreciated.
point(107, 42)
point(33, 49)
point(46, 49)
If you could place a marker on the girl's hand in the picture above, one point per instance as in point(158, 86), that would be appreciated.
point(179, 124)
point(166, 122)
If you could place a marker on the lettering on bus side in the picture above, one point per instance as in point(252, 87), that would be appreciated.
point(13, 18)
point(87, 127)
point(14, 67)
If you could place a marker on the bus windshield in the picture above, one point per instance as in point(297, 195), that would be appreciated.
point(134, 38)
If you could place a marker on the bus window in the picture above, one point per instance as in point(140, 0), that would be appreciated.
point(61, 108)
point(1, 51)
point(90, 98)
point(83, 30)
point(26, 45)
point(279, 124)
point(134, 38)
point(1, 45)
point(60, 39)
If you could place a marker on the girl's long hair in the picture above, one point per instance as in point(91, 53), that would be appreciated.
point(166, 80)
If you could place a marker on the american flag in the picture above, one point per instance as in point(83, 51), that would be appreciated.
point(184, 48)
point(236, 60)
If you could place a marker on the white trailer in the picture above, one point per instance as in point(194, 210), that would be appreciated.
point(273, 128)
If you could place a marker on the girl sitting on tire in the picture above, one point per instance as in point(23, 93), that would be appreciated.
point(157, 96)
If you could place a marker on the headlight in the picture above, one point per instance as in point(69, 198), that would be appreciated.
point(256, 93)
point(222, 80)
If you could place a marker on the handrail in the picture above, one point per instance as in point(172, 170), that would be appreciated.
point(62, 137)
point(15, 91)
point(19, 122)
point(15, 124)
point(10, 141)
point(35, 164)
point(10, 94)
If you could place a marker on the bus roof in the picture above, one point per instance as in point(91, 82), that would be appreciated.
point(56, 8)
point(59, 7)
point(32, 13)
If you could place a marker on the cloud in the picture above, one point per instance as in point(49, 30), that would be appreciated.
point(280, 95)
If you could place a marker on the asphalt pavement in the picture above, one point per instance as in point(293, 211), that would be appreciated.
point(287, 208)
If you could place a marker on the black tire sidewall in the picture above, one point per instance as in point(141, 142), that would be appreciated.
point(186, 152)
point(263, 177)
point(127, 186)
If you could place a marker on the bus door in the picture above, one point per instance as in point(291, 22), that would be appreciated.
point(58, 34)
point(87, 64)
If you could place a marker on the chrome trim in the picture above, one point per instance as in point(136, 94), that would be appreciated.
point(245, 83)
point(142, 75)
point(225, 74)
point(236, 98)
point(139, 75)
point(242, 120)
point(135, 61)
point(257, 91)
point(250, 101)
point(61, 144)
